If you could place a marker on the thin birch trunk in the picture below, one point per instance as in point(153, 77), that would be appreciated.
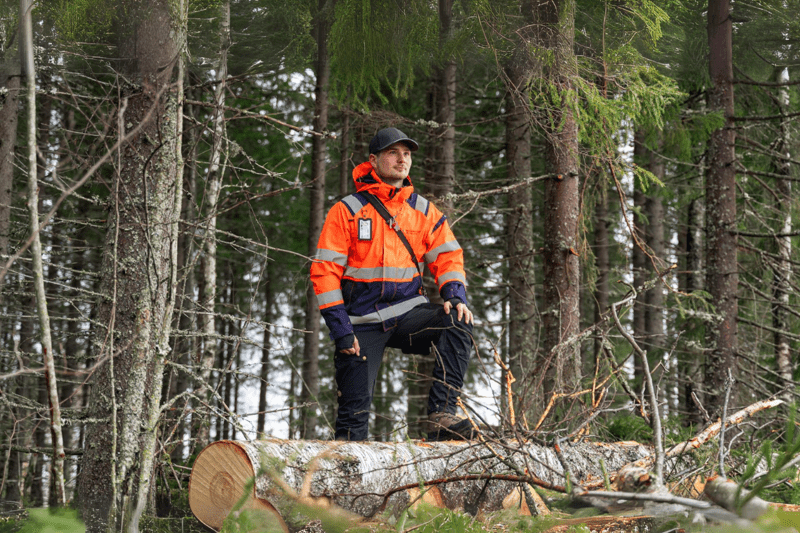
point(36, 252)
point(782, 270)
point(213, 185)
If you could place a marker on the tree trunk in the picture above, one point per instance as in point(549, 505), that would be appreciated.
point(639, 260)
point(263, 385)
point(319, 151)
point(602, 245)
point(561, 320)
point(183, 345)
point(345, 180)
point(689, 368)
point(21, 433)
point(648, 223)
point(74, 349)
point(138, 273)
point(522, 321)
point(366, 478)
point(213, 186)
point(440, 176)
point(26, 39)
point(654, 298)
point(782, 267)
point(722, 268)
point(9, 113)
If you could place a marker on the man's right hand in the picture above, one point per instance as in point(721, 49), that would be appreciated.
point(355, 349)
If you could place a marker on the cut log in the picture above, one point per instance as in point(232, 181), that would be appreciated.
point(368, 478)
point(216, 488)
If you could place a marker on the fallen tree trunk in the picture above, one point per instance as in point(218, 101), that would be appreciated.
point(729, 495)
point(677, 451)
point(367, 478)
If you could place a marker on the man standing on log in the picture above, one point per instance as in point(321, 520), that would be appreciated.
point(368, 281)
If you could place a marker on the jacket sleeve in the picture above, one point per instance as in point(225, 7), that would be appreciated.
point(327, 269)
point(445, 258)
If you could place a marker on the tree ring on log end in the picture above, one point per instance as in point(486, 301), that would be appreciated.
point(221, 476)
point(222, 490)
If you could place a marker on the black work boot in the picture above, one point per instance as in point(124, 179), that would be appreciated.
point(447, 426)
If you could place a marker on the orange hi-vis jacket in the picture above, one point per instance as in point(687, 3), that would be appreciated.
point(363, 275)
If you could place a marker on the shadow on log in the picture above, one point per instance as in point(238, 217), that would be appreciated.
point(370, 478)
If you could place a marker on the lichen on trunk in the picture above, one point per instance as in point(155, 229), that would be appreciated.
point(138, 272)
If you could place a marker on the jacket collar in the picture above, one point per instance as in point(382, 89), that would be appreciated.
point(367, 180)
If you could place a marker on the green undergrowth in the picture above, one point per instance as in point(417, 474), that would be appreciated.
point(58, 520)
point(152, 524)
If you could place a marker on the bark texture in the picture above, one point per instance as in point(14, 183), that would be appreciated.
point(555, 27)
point(602, 245)
point(138, 273)
point(51, 386)
point(782, 268)
point(689, 369)
point(368, 478)
point(263, 385)
point(722, 275)
point(319, 155)
point(216, 170)
point(522, 323)
point(9, 114)
point(648, 253)
point(440, 178)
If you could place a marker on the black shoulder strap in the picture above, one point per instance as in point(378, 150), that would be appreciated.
point(383, 212)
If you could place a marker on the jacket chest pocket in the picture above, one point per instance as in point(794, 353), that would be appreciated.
point(414, 238)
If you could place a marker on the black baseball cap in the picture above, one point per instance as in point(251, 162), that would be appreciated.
point(387, 137)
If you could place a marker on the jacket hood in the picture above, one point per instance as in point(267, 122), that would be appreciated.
point(367, 180)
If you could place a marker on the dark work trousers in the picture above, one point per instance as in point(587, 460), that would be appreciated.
point(419, 328)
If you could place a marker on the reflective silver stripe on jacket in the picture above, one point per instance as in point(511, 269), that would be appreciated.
point(449, 246)
point(380, 273)
point(353, 203)
point(390, 312)
point(329, 297)
point(421, 205)
point(329, 255)
point(450, 276)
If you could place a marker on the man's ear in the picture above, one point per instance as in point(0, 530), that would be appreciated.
point(372, 159)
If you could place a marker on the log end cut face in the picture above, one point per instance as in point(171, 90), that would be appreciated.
point(222, 476)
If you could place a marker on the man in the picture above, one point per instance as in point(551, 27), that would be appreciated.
point(371, 296)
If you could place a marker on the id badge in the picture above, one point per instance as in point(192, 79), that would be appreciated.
point(364, 229)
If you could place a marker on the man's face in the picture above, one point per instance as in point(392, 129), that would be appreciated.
point(393, 163)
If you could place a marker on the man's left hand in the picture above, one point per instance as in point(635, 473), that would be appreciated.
point(463, 312)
